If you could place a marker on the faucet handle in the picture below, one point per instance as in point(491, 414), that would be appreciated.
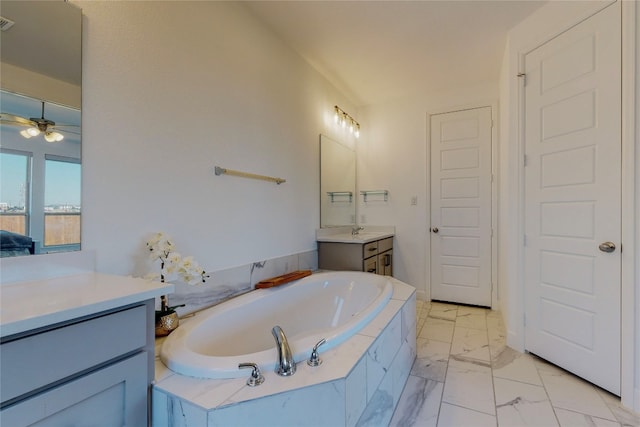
point(315, 360)
point(256, 377)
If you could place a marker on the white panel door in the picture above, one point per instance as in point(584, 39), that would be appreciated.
point(461, 206)
point(573, 201)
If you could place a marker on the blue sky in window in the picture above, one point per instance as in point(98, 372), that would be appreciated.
point(62, 181)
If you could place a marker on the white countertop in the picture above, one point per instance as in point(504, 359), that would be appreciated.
point(34, 304)
point(343, 234)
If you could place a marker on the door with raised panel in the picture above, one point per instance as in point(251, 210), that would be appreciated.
point(461, 206)
point(573, 199)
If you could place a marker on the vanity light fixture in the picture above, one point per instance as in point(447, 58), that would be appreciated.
point(345, 119)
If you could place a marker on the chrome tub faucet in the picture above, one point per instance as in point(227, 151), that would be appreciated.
point(286, 364)
point(356, 230)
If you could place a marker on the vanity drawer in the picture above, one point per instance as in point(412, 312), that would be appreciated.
point(112, 396)
point(370, 265)
point(370, 249)
point(385, 244)
point(41, 359)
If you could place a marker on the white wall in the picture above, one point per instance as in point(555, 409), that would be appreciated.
point(393, 157)
point(546, 22)
point(171, 89)
point(636, 356)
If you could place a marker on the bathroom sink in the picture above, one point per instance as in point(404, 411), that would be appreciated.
point(367, 235)
point(362, 237)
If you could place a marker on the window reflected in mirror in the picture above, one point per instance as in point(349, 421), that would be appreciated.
point(61, 202)
point(14, 170)
point(41, 175)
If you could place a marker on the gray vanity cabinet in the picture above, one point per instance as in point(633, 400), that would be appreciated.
point(372, 257)
point(94, 370)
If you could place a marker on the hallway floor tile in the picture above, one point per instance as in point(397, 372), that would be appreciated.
point(465, 376)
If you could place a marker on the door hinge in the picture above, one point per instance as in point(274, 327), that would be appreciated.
point(525, 319)
point(492, 123)
point(526, 160)
point(524, 77)
point(524, 240)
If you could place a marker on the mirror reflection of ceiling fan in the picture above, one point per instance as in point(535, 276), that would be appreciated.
point(34, 126)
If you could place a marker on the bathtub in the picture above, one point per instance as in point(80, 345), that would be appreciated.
point(333, 306)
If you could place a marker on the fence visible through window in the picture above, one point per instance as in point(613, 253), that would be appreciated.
point(61, 229)
point(14, 222)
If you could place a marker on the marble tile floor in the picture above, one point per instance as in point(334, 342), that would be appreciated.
point(465, 376)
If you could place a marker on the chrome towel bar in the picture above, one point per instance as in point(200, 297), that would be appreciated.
point(224, 171)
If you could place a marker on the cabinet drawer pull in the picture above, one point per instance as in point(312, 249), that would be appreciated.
point(387, 260)
point(371, 270)
point(372, 249)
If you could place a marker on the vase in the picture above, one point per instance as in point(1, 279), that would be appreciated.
point(166, 322)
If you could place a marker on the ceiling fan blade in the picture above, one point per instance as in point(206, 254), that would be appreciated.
point(16, 120)
point(74, 129)
point(66, 125)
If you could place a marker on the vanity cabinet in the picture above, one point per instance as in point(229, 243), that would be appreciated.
point(372, 257)
point(94, 370)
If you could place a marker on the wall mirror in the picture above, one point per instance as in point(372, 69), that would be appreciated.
point(337, 184)
point(40, 126)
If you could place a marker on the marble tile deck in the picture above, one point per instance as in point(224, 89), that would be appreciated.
point(464, 375)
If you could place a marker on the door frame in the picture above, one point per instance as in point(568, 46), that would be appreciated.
point(493, 104)
point(630, 292)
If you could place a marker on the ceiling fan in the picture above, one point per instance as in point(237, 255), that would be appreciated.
point(36, 125)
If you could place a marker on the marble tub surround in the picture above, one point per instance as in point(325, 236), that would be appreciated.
point(358, 383)
point(465, 375)
point(225, 284)
point(343, 234)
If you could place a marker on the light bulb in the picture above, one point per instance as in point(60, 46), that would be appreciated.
point(343, 122)
point(357, 132)
point(53, 137)
point(351, 127)
point(25, 134)
point(336, 116)
point(33, 131)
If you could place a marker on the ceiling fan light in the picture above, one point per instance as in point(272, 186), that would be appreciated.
point(53, 137)
point(25, 133)
point(33, 131)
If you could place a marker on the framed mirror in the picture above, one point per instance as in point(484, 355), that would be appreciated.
point(40, 126)
point(337, 184)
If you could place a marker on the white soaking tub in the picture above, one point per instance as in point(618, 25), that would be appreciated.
point(334, 306)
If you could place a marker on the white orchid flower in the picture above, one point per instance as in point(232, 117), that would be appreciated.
point(161, 248)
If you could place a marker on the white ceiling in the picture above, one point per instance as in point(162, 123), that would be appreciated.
point(375, 51)
point(46, 38)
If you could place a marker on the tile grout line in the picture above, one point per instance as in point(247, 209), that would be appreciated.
point(493, 383)
point(444, 383)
